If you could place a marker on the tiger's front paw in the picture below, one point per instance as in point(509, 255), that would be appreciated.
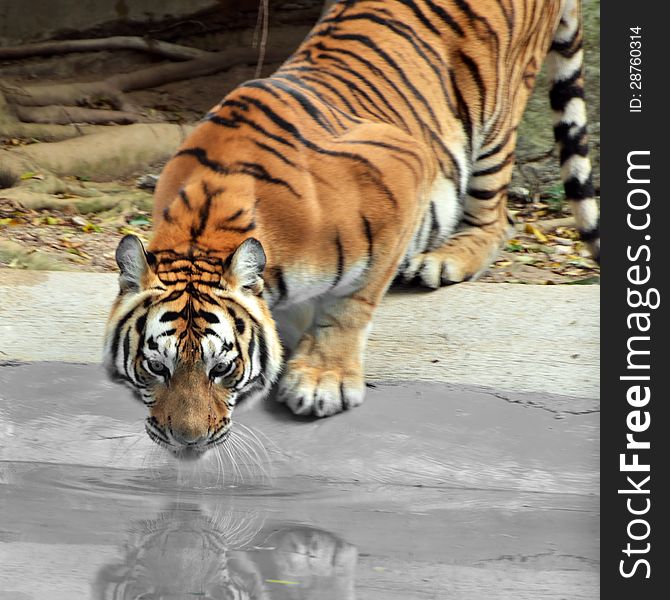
point(320, 391)
point(323, 563)
point(434, 269)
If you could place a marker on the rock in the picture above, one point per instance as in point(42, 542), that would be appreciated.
point(147, 182)
point(519, 192)
point(16, 256)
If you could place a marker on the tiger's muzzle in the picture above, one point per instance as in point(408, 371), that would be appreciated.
point(191, 413)
point(186, 442)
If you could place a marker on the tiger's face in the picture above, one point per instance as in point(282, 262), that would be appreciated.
point(192, 341)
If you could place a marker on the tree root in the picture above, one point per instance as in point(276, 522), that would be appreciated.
point(101, 202)
point(115, 152)
point(45, 132)
point(64, 115)
point(12, 128)
point(39, 176)
point(111, 90)
point(72, 94)
point(164, 49)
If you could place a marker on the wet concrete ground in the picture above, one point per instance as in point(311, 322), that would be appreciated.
point(426, 491)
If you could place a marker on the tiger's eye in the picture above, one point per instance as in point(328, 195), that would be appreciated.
point(157, 367)
point(221, 369)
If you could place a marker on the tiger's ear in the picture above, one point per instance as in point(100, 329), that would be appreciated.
point(134, 263)
point(246, 265)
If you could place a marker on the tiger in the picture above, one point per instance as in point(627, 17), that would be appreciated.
point(381, 150)
point(185, 552)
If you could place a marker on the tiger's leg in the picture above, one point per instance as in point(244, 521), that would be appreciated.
point(484, 225)
point(325, 374)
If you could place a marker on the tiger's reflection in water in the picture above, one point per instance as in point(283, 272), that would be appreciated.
point(184, 553)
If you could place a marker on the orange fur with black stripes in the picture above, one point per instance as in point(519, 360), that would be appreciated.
point(382, 148)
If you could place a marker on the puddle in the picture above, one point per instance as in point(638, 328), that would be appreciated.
point(154, 534)
point(382, 503)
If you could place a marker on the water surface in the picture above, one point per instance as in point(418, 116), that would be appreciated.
point(426, 491)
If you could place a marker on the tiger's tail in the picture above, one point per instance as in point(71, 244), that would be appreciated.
point(565, 63)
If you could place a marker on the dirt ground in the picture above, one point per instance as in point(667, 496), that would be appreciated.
point(545, 249)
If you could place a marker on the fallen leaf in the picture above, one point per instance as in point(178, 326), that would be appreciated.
point(31, 175)
point(78, 252)
point(539, 236)
point(69, 244)
point(579, 262)
point(514, 245)
point(139, 220)
point(526, 259)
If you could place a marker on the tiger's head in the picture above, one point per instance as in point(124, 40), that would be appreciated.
point(193, 336)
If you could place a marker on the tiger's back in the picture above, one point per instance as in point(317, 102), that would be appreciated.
point(382, 89)
point(382, 147)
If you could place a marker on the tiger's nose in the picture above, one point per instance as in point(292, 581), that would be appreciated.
point(188, 437)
